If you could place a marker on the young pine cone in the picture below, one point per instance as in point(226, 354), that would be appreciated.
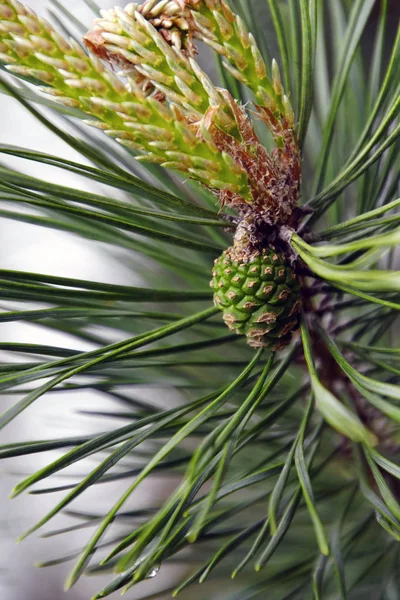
point(259, 295)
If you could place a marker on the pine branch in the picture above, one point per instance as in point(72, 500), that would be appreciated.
point(286, 455)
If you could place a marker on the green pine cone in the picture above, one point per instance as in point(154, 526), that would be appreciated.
point(259, 296)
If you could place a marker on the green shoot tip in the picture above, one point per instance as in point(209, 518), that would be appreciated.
point(14, 493)
point(23, 536)
point(192, 538)
point(69, 582)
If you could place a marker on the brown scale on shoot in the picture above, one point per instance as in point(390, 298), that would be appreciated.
point(274, 179)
